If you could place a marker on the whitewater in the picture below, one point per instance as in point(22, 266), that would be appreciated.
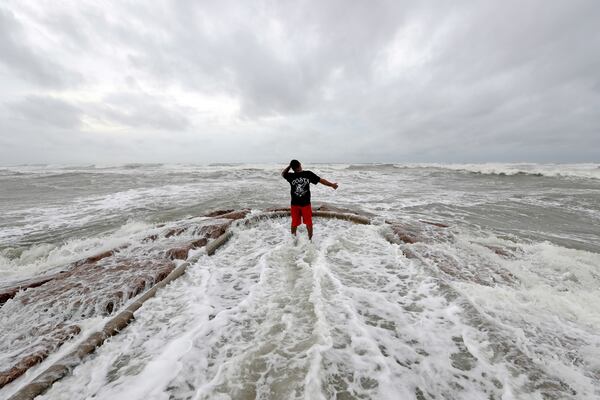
point(503, 303)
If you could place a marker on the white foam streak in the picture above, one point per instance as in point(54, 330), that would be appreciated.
point(312, 382)
point(46, 258)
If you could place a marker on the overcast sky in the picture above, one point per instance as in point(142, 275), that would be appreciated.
point(322, 81)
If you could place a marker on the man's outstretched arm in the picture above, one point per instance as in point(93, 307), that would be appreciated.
point(286, 170)
point(327, 183)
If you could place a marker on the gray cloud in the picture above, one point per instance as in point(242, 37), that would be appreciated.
point(138, 111)
point(229, 48)
point(22, 60)
point(47, 111)
point(340, 81)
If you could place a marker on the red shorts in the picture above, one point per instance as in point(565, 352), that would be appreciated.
point(303, 213)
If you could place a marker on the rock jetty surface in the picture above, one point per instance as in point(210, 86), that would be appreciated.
point(51, 307)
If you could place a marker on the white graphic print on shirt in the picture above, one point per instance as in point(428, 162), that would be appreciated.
point(300, 186)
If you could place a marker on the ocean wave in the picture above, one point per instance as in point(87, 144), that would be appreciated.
point(66, 174)
point(84, 167)
point(140, 165)
point(586, 171)
point(224, 164)
point(370, 167)
point(8, 172)
point(23, 262)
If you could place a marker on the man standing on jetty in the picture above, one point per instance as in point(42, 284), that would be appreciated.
point(300, 182)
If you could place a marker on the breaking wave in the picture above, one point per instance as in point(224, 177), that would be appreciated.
point(370, 167)
point(586, 171)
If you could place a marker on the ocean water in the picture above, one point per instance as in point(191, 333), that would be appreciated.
point(505, 304)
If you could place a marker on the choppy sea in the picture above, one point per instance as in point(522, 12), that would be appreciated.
point(348, 316)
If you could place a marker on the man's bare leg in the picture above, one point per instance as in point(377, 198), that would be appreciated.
point(294, 230)
point(309, 229)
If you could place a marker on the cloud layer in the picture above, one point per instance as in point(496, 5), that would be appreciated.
point(334, 81)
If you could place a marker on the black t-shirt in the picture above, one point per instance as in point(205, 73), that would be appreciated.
point(300, 182)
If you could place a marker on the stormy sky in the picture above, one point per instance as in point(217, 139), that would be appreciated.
point(322, 81)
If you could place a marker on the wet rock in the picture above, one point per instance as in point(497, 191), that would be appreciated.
point(182, 253)
point(272, 209)
point(96, 258)
point(503, 252)
point(409, 253)
point(325, 208)
point(9, 291)
point(438, 224)
point(235, 214)
point(199, 243)
point(407, 234)
point(60, 335)
point(96, 288)
point(407, 237)
point(416, 238)
point(7, 294)
point(98, 285)
point(150, 238)
point(174, 232)
point(418, 232)
point(178, 253)
point(330, 208)
point(213, 231)
point(217, 213)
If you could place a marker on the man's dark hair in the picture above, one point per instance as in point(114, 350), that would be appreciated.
point(295, 164)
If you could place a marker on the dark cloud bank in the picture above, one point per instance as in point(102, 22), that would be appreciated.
point(332, 81)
